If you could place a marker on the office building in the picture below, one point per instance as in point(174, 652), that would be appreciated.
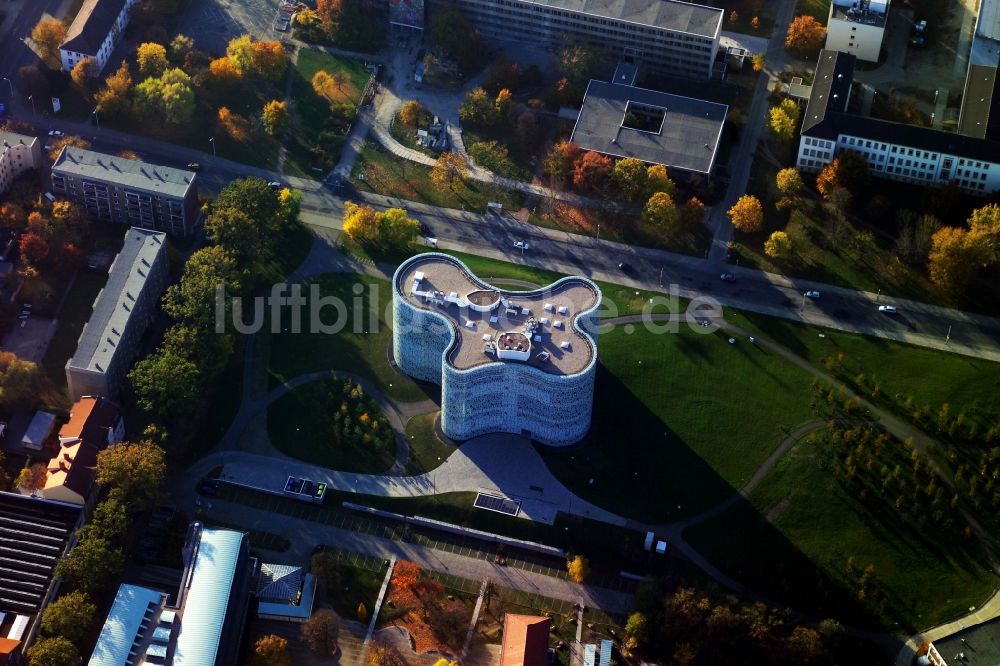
point(520, 362)
point(18, 153)
point(665, 36)
point(678, 132)
point(980, 115)
point(130, 192)
point(111, 338)
point(857, 27)
point(896, 151)
point(95, 32)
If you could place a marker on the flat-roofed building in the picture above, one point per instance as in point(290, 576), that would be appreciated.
point(110, 340)
point(857, 27)
point(18, 153)
point(665, 36)
point(94, 32)
point(655, 127)
point(525, 640)
point(980, 115)
point(896, 151)
point(127, 191)
point(521, 362)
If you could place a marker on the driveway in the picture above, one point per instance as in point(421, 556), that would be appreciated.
point(31, 341)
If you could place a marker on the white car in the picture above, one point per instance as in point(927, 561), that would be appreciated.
point(888, 309)
point(521, 245)
point(812, 293)
point(56, 133)
point(274, 185)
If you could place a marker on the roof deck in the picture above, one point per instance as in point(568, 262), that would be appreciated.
point(495, 325)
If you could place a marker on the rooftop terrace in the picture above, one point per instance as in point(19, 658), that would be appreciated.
point(536, 327)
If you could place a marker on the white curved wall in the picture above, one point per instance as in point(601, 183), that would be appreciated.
point(498, 396)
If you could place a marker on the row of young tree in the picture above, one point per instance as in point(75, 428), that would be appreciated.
point(131, 473)
point(244, 224)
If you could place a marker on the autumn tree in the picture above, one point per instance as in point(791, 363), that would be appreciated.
point(381, 653)
point(789, 182)
point(637, 627)
point(240, 50)
point(591, 171)
point(449, 170)
point(478, 108)
point(578, 61)
point(275, 116)
point(956, 256)
point(271, 650)
point(758, 62)
point(180, 47)
point(114, 99)
point(324, 85)
point(83, 71)
point(321, 631)
point(778, 245)
point(629, 175)
point(48, 34)
point(784, 119)
point(132, 471)
point(848, 170)
point(170, 94)
point(564, 93)
point(110, 519)
point(411, 112)
point(734, 17)
point(34, 248)
point(71, 615)
point(31, 478)
point(17, 380)
point(747, 214)
point(984, 226)
point(503, 104)
point(578, 569)
point(57, 651)
point(362, 612)
point(234, 125)
point(224, 72)
point(559, 162)
point(693, 212)
point(661, 212)
point(12, 216)
point(268, 59)
point(151, 59)
point(658, 180)
point(755, 23)
point(805, 36)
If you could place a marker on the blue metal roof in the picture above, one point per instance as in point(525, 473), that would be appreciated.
point(207, 597)
point(122, 625)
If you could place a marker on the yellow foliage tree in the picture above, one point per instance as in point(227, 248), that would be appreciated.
point(361, 223)
point(789, 182)
point(657, 180)
point(268, 59)
point(449, 171)
point(151, 59)
point(224, 72)
point(83, 71)
point(578, 569)
point(662, 212)
point(275, 115)
point(778, 245)
point(114, 99)
point(47, 35)
point(956, 256)
point(240, 49)
point(234, 125)
point(805, 36)
point(271, 650)
point(747, 214)
point(758, 62)
point(410, 112)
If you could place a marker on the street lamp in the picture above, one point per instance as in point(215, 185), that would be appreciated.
point(31, 99)
point(935, 95)
point(212, 141)
point(598, 231)
point(11, 87)
point(97, 118)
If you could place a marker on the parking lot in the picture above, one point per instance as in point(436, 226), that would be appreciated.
point(212, 23)
point(30, 340)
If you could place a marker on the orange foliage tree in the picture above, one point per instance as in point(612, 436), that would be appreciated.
point(747, 214)
point(591, 171)
point(234, 125)
point(805, 36)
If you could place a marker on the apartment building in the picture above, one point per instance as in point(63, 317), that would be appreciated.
point(111, 338)
point(138, 194)
point(18, 153)
point(857, 27)
point(664, 36)
point(980, 115)
point(520, 362)
point(896, 151)
point(95, 32)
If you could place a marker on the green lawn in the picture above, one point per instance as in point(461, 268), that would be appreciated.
point(292, 249)
point(382, 173)
point(316, 136)
point(358, 581)
point(818, 9)
point(76, 310)
point(354, 349)
point(927, 376)
point(818, 538)
point(300, 424)
point(671, 434)
point(426, 450)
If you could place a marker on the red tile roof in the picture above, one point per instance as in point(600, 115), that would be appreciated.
point(525, 640)
point(89, 420)
point(73, 468)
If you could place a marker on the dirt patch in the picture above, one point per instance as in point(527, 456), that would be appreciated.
point(435, 620)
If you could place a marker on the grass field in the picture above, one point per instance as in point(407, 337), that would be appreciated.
point(315, 136)
point(426, 450)
point(300, 424)
point(355, 348)
point(929, 377)
point(671, 434)
point(381, 172)
point(358, 581)
point(819, 537)
point(818, 9)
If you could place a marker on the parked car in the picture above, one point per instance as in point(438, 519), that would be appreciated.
point(887, 309)
point(194, 166)
point(521, 245)
point(812, 293)
point(425, 231)
point(727, 277)
point(56, 133)
point(275, 185)
point(625, 267)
